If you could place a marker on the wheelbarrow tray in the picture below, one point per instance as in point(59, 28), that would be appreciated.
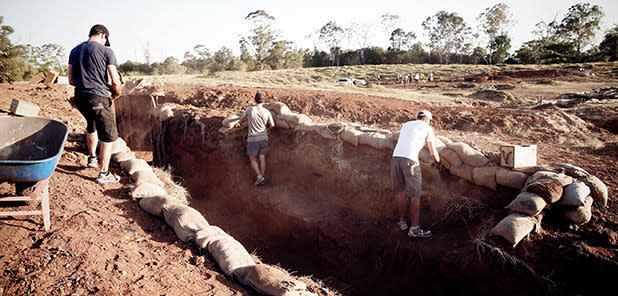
point(30, 148)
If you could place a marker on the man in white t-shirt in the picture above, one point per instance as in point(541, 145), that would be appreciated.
point(257, 139)
point(406, 170)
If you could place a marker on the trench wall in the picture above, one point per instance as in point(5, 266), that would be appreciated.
point(328, 205)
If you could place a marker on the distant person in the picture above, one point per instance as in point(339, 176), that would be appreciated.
point(257, 139)
point(430, 76)
point(89, 64)
point(406, 170)
point(417, 78)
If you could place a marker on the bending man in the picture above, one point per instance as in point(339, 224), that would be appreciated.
point(406, 170)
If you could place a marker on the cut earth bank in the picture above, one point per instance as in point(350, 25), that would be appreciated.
point(327, 209)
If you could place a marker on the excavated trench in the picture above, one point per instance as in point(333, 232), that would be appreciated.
point(327, 209)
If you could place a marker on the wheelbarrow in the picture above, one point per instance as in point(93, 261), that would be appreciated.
point(30, 148)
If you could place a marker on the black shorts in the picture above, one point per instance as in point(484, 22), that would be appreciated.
point(97, 111)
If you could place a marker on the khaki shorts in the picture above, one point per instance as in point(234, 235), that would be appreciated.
point(406, 175)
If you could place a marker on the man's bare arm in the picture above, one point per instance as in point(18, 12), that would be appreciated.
point(116, 84)
point(70, 74)
point(433, 151)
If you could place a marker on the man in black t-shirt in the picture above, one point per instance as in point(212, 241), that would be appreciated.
point(89, 64)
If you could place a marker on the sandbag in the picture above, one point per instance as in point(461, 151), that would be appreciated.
point(548, 189)
point(154, 204)
point(119, 146)
point(450, 158)
point(351, 135)
point(573, 171)
point(464, 172)
point(146, 190)
point(579, 215)
point(598, 189)
point(280, 122)
point(293, 119)
point(229, 254)
point(185, 220)
point(485, 176)
point(277, 108)
point(269, 280)
point(469, 155)
point(514, 227)
point(395, 137)
point(231, 120)
point(444, 139)
point(207, 235)
point(425, 156)
point(563, 179)
point(375, 140)
point(163, 112)
point(574, 194)
point(527, 203)
point(133, 165)
point(123, 156)
point(511, 179)
point(146, 176)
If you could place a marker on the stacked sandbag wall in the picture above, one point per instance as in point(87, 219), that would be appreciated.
point(563, 188)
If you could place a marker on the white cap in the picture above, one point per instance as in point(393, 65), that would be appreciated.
point(424, 113)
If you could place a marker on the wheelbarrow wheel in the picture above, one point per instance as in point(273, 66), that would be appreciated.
point(25, 189)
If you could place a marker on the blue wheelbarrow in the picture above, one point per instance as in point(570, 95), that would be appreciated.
point(30, 148)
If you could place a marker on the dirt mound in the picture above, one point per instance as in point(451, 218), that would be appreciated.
point(521, 74)
point(493, 95)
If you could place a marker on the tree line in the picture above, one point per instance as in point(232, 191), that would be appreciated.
point(449, 40)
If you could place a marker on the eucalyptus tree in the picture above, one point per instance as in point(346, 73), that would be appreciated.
point(447, 34)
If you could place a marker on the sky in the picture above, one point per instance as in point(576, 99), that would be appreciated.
point(173, 27)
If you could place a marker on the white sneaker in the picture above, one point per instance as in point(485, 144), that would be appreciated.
point(92, 162)
point(418, 232)
point(260, 179)
point(402, 225)
point(107, 178)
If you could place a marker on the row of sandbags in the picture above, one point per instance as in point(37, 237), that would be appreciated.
point(459, 158)
point(190, 225)
point(572, 193)
point(348, 132)
point(145, 180)
point(230, 255)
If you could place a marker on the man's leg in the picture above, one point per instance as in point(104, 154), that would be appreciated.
point(415, 210)
point(92, 141)
point(402, 205)
point(254, 165)
point(106, 154)
point(262, 164)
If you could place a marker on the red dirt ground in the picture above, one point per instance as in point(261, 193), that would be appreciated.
point(101, 242)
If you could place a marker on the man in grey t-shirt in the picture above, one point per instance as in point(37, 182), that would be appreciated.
point(257, 139)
